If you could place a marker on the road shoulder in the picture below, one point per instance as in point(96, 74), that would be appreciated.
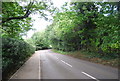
point(30, 69)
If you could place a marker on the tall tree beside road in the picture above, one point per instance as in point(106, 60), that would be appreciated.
point(92, 26)
point(16, 20)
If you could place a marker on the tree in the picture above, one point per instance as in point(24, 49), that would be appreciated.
point(15, 11)
point(90, 26)
point(39, 40)
point(16, 16)
point(16, 19)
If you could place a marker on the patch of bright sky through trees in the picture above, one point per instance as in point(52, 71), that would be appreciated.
point(39, 24)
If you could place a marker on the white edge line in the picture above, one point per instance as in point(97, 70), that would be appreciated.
point(90, 76)
point(56, 57)
point(39, 68)
point(66, 63)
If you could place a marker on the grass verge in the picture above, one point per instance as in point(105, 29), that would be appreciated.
point(92, 57)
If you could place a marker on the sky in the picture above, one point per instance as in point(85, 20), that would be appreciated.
point(40, 23)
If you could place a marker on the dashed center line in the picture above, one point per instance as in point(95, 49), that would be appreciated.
point(66, 63)
point(82, 72)
point(90, 76)
point(56, 57)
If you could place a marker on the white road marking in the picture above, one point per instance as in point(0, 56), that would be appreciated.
point(66, 63)
point(90, 76)
point(39, 67)
point(56, 57)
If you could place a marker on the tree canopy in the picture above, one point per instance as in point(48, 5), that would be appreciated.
point(16, 20)
point(92, 26)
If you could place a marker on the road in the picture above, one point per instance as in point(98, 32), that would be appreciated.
point(58, 66)
point(46, 65)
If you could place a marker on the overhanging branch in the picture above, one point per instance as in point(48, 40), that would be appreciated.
point(28, 12)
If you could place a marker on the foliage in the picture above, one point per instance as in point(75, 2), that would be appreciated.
point(30, 41)
point(16, 20)
point(90, 26)
point(14, 28)
point(92, 57)
point(108, 33)
point(39, 40)
point(14, 53)
point(61, 35)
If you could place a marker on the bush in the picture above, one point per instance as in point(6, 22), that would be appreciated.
point(14, 54)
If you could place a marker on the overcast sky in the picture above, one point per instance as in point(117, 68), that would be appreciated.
point(40, 24)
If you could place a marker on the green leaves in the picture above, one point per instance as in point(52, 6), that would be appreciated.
point(14, 53)
point(90, 26)
point(14, 28)
point(39, 40)
point(15, 17)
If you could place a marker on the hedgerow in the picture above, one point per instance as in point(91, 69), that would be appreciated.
point(14, 54)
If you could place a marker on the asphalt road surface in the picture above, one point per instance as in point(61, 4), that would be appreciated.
point(47, 65)
point(58, 66)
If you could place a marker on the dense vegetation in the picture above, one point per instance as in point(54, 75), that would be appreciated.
point(14, 54)
point(88, 26)
point(91, 26)
point(16, 22)
point(39, 41)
